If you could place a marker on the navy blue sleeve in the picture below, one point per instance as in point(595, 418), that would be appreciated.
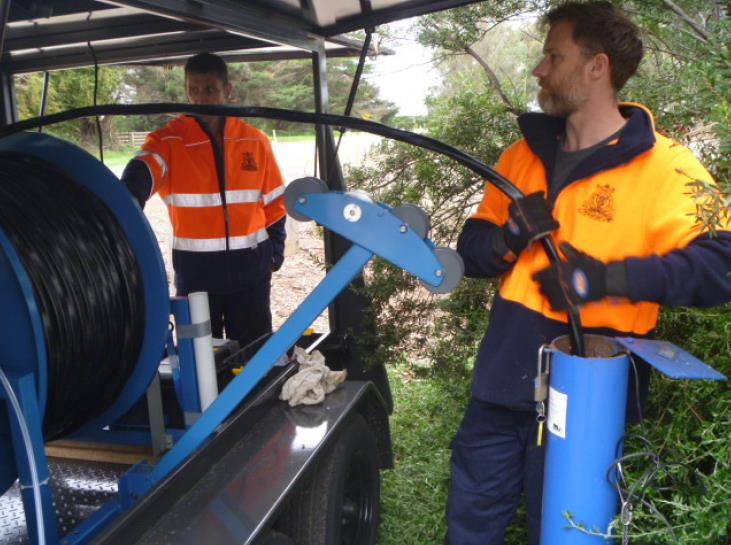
point(137, 178)
point(696, 276)
point(277, 234)
point(477, 246)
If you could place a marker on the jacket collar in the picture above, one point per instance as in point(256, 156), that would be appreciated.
point(196, 125)
point(543, 133)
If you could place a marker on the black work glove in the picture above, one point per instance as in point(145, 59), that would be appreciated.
point(530, 218)
point(580, 279)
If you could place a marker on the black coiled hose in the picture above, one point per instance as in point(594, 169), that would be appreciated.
point(86, 282)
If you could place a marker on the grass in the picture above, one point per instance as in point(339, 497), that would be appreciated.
point(426, 415)
point(293, 137)
point(116, 158)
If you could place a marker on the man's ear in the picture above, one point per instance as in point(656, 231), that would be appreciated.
point(227, 89)
point(599, 66)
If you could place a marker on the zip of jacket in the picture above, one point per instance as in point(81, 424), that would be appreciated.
point(220, 162)
point(220, 171)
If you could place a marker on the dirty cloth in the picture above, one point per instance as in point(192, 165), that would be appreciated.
point(312, 382)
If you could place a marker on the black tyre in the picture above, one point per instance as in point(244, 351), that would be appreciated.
point(338, 504)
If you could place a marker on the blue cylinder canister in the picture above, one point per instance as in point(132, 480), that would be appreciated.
point(586, 416)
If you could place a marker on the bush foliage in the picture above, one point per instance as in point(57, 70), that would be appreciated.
point(686, 80)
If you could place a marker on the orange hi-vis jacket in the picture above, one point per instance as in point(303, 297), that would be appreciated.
point(221, 200)
point(631, 201)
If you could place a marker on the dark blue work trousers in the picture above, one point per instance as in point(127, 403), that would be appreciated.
point(245, 315)
point(495, 460)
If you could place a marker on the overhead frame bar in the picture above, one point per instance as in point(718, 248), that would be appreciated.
point(151, 47)
point(242, 18)
point(128, 25)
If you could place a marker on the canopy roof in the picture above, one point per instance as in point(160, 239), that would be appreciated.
point(54, 34)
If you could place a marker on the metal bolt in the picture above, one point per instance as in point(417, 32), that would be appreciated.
point(438, 273)
point(302, 200)
point(352, 212)
point(403, 228)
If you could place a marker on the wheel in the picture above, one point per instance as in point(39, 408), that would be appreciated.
point(338, 503)
point(296, 188)
point(274, 538)
point(452, 271)
point(414, 217)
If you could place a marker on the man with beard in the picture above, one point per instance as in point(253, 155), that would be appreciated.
point(613, 194)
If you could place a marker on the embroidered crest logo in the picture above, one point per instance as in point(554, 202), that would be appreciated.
point(248, 162)
point(600, 204)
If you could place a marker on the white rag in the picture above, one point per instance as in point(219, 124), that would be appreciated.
point(312, 382)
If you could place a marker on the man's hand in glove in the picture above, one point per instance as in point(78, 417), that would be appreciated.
point(580, 279)
point(529, 219)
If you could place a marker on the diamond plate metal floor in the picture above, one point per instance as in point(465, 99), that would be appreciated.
point(79, 488)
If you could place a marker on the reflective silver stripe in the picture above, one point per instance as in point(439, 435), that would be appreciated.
point(197, 143)
point(198, 200)
point(272, 195)
point(241, 139)
point(219, 244)
point(157, 157)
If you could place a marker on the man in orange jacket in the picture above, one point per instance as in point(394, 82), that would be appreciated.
point(614, 195)
point(224, 193)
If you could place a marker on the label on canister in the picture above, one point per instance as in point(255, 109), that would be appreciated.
point(557, 406)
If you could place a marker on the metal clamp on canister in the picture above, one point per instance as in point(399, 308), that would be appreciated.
point(540, 390)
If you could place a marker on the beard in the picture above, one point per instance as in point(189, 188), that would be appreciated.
point(562, 99)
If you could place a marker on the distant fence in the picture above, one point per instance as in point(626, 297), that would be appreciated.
point(134, 138)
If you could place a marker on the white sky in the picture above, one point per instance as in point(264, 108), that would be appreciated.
point(406, 76)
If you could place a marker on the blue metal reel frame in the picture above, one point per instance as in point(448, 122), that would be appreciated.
point(22, 346)
point(25, 390)
point(85, 170)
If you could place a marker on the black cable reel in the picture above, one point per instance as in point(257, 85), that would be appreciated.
point(86, 283)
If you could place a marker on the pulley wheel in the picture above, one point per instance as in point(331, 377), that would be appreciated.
point(452, 271)
point(297, 188)
point(414, 217)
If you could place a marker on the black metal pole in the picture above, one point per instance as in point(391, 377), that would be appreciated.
point(44, 96)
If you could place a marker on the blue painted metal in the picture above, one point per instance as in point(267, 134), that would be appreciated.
point(670, 359)
point(87, 530)
point(134, 484)
point(83, 168)
point(187, 386)
point(376, 229)
point(581, 448)
point(22, 345)
point(336, 280)
point(25, 389)
point(174, 364)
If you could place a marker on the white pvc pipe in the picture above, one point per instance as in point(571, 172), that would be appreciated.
point(205, 364)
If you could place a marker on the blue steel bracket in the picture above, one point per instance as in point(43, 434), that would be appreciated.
point(374, 227)
point(380, 232)
point(188, 380)
point(134, 484)
point(669, 359)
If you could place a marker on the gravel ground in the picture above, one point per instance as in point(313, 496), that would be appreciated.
point(304, 253)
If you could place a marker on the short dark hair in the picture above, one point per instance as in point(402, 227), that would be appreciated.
point(600, 27)
point(206, 63)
